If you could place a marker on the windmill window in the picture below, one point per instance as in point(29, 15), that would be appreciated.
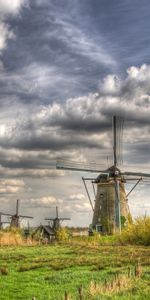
point(99, 228)
point(101, 195)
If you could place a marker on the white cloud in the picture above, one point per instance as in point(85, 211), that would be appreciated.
point(139, 73)
point(44, 201)
point(8, 8)
point(9, 190)
point(76, 123)
point(47, 200)
point(77, 197)
point(12, 182)
point(5, 35)
point(82, 122)
point(110, 85)
point(78, 40)
point(11, 186)
point(11, 6)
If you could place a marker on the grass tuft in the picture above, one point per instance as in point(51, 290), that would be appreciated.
point(4, 271)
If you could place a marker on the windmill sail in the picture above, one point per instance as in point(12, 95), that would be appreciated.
point(79, 166)
point(139, 174)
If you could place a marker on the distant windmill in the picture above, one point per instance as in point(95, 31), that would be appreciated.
point(55, 222)
point(48, 232)
point(15, 218)
point(111, 207)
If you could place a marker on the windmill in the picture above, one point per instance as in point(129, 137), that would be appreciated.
point(15, 218)
point(48, 232)
point(55, 223)
point(111, 209)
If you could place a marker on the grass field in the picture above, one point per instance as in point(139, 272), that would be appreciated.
point(47, 271)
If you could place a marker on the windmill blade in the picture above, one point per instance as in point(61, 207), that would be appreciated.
point(117, 140)
point(50, 219)
point(5, 214)
point(79, 166)
point(63, 219)
point(135, 174)
point(28, 217)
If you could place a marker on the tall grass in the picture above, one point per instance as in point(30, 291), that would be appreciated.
point(14, 237)
point(137, 232)
point(10, 238)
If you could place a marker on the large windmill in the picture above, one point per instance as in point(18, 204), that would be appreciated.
point(15, 218)
point(110, 210)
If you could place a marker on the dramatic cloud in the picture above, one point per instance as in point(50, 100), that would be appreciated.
point(11, 6)
point(8, 8)
point(65, 69)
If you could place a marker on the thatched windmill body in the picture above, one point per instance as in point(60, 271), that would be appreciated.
point(111, 209)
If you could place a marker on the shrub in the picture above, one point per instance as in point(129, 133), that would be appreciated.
point(137, 232)
point(62, 234)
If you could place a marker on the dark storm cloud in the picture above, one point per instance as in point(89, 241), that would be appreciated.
point(62, 77)
point(139, 153)
point(81, 122)
point(53, 52)
point(59, 51)
point(46, 142)
point(77, 124)
point(125, 24)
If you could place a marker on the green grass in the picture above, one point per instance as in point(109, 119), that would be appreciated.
point(46, 272)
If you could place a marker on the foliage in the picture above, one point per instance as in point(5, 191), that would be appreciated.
point(137, 232)
point(62, 234)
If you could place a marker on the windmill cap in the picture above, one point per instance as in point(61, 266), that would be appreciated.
point(110, 172)
point(114, 171)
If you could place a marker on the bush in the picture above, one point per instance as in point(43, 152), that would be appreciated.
point(62, 234)
point(137, 232)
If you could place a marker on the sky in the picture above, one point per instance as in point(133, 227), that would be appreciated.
point(66, 67)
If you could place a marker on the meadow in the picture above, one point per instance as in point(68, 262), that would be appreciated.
point(46, 272)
